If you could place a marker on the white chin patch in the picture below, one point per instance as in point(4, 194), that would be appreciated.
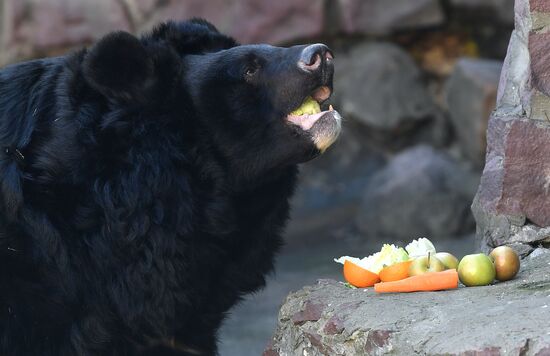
point(306, 121)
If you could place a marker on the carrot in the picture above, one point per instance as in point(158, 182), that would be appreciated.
point(430, 281)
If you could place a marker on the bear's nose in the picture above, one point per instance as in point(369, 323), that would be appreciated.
point(313, 56)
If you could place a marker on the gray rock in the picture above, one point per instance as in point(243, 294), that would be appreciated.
point(327, 191)
point(514, 76)
point(539, 252)
point(380, 86)
point(421, 192)
point(471, 95)
point(507, 318)
point(383, 17)
point(502, 9)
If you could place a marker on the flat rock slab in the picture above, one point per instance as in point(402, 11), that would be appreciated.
point(507, 318)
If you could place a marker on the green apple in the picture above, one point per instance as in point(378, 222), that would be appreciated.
point(309, 106)
point(423, 264)
point(450, 261)
point(476, 270)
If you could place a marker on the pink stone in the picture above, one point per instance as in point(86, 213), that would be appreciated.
point(376, 340)
point(249, 21)
point(539, 50)
point(526, 180)
point(540, 5)
point(311, 312)
point(39, 28)
point(334, 326)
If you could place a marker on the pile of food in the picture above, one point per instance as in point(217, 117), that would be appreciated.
point(419, 267)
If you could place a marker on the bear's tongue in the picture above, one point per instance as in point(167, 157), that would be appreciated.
point(306, 121)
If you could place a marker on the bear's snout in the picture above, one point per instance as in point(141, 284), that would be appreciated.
point(314, 57)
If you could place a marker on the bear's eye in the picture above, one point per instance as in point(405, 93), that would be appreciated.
point(251, 69)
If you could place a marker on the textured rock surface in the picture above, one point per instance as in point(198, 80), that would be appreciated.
point(509, 318)
point(380, 86)
point(511, 203)
point(515, 183)
point(421, 192)
point(383, 17)
point(471, 95)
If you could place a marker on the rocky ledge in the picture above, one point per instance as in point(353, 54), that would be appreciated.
point(508, 318)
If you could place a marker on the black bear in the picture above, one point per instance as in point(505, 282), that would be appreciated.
point(144, 186)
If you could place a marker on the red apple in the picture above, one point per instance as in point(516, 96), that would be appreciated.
point(506, 262)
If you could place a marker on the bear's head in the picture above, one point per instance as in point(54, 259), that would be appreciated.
point(244, 98)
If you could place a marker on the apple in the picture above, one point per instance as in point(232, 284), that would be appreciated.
point(423, 264)
point(450, 261)
point(476, 270)
point(506, 262)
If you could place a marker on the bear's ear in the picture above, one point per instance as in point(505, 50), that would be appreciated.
point(119, 67)
point(195, 36)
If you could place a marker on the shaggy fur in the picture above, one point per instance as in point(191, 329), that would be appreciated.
point(144, 185)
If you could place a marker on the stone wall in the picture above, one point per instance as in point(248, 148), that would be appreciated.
point(415, 81)
point(511, 205)
point(41, 27)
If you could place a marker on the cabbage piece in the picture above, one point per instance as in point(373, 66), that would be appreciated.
point(388, 255)
point(309, 106)
point(363, 263)
point(420, 247)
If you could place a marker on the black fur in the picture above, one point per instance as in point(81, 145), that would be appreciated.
point(144, 186)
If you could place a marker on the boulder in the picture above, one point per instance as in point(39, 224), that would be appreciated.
point(327, 191)
point(507, 318)
point(249, 21)
point(380, 86)
point(471, 95)
point(381, 17)
point(501, 9)
point(511, 202)
point(37, 28)
point(420, 193)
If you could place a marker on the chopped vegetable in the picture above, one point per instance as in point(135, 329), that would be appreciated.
point(420, 247)
point(358, 276)
point(391, 254)
point(388, 255)
point(431, 281)
point(395, 272)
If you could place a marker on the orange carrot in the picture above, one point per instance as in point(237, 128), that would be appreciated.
point(430, 281)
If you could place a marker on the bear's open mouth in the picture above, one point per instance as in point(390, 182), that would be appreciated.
point(309, 112)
